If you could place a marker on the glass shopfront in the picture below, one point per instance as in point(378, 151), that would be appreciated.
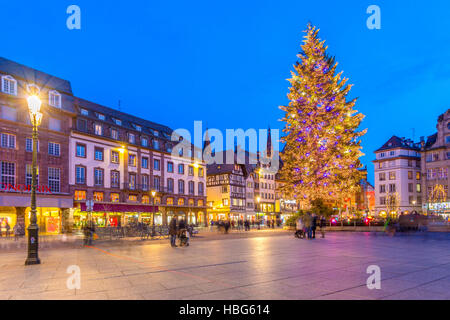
point(48, 219)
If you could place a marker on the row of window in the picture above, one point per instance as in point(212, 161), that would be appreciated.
point(437, 173)
point(114, 134)
point(8, 141)
point(132, 160)
point(132, 184)
point(412, 200)
point(99, 196)
point(8, 175)
point(118, 122)
point(9, 86)
point(392, 187)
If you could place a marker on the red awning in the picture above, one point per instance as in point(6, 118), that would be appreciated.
point(119, 207)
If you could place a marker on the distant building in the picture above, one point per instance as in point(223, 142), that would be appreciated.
point(398, 175)
point(435, 165)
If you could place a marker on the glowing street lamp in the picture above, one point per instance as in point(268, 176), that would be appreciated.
point(34, 108)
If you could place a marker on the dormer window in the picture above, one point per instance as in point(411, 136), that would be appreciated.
point(84, 112)
point(156, 144)
point(117, 121)
point(9, 85)
point(137, 127)
point(155, 133)
point(54, 99)
point(101, 116)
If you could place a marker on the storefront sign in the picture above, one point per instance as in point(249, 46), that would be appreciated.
point(439, 206)
point(23, 188)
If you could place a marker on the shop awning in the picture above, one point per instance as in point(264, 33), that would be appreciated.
point(120, 207)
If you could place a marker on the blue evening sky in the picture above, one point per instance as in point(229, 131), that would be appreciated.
point(226, 62)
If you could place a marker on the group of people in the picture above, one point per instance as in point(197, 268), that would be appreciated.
point(307, 225)
point(18, 230)
point(181, 230)
point(241, 224)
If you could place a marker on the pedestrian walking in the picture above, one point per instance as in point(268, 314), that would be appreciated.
point(181, 228)
point(323, 224)
point(308, 224)
point(173, 232)
point(7, 227)
point(314, 225)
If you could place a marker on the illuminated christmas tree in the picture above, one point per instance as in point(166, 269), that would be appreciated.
point(322, 145)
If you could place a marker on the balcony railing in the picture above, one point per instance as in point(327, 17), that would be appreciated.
point(136, 187)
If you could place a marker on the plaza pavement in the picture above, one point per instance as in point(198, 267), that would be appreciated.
point(270, 265)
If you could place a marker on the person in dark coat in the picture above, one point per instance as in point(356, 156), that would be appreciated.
point(323, 224)
point(314, 225)
point(173, 232)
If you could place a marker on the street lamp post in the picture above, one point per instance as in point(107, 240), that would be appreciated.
point(34, 106)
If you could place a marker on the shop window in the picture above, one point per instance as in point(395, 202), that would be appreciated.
point(80, 195)
point(145, 199)
point(114, 197)
point(98, 196)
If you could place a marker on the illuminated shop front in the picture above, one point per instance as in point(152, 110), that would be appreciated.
point(115, 214)
point(440, 208)
point(15, 208)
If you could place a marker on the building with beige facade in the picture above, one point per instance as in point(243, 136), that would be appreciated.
point(398, 177)
point(435, 166)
